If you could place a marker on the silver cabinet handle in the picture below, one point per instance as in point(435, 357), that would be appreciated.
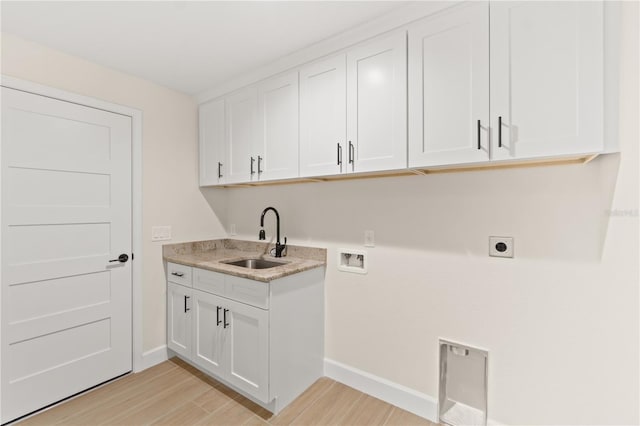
point(339, 155)
point(178, 274)
point(219, 169)
point(259, 162)
point(499, 132)
point(251, 169)
point(479, 146)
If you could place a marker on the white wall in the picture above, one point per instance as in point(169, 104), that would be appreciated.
point(560, 319)
point(170, 184)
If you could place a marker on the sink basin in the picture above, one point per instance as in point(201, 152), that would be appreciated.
point(255, 263)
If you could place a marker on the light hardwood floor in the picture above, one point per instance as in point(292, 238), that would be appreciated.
point(174, 393)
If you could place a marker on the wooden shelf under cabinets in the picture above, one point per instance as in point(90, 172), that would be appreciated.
point(540, 162)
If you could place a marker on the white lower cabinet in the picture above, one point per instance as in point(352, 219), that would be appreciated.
point(208, 334)
point(179, 319)
point(265, 340)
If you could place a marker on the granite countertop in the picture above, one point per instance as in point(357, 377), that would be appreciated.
point(211, 253)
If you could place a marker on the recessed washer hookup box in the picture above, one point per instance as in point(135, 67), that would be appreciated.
point(463, 384)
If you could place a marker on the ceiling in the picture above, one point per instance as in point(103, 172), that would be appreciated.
point(189, 46)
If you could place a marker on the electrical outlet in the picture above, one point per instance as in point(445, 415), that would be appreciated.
point(369, 240)
point(160, 233)
point(232, 229)
point(501, 246)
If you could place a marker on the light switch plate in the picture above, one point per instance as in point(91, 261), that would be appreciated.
point(501, 246)
point(160, 233)
point(369, 239)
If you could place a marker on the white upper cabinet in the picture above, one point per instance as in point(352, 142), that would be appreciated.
point(323, 117)
point(546, 78)
point(241, 115)
point(377, 104)
point(473, 83)
point(212, 162)
point(449, 87)
point(277, 154)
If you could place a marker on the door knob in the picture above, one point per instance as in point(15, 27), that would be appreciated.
point(122, 258)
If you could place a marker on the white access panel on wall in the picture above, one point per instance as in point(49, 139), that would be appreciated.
point(66, 213)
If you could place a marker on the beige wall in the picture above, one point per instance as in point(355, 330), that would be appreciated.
point(170, 186)
point(560, 320)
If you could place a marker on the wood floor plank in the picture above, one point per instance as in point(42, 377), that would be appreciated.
point(255, 421)
point(401, 417)
point(330, 408)
point(186, 414)
point(303, 402)
point(215, 398)
point(154, 408)
point(97, 397)
point(174, 393)
point(128, 398)
point(231, 413)
point(368, 411)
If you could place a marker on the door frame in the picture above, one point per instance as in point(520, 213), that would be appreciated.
point(136, 193)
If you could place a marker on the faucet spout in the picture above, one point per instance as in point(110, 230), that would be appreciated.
point(279, 247)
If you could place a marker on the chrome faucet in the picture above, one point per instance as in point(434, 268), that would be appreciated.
point(279, 247)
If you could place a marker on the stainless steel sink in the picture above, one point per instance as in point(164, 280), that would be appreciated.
point(255, 263)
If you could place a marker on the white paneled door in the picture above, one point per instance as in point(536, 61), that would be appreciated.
point(66, 215)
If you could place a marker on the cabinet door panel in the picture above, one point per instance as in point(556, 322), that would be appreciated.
point(376, 100)
point(212, 168)
point(449, 87)
point(247, 343)
point(323, 117)
point(240, 134)
point(208, 329)
point(278, 125)
point(179, 320)
point(546, 78)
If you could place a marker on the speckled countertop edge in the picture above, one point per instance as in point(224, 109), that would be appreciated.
point(210, 254)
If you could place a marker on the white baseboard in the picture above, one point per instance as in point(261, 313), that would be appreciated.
point(153, 357)
point(408, 399)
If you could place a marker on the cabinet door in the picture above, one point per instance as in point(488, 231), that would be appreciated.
point(546, 78)
point(241, 110)
point(179, 319)
point(323, 117)
point(208, 328)
point(211, 141)
point(377, 104)
point(449, 87)
point(247, 348)
point(278, 127)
